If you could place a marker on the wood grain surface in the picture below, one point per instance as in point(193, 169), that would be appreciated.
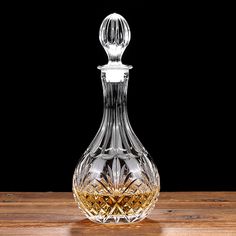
point(177, 213)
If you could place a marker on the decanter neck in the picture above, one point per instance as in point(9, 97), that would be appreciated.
point(115, 94)
point(115, 135)
point(115, 123)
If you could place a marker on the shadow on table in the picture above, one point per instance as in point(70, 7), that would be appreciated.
point(86, 227)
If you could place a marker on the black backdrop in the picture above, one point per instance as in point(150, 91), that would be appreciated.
point(180, 97)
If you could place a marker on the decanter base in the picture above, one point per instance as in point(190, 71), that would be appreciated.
point(117, 219)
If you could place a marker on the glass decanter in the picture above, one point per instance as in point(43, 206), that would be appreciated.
point(116, 180)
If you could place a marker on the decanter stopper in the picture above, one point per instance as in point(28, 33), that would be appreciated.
point(114, 35)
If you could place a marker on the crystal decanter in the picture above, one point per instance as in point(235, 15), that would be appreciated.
point(115, 181)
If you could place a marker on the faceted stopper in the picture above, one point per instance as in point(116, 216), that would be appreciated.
point(114, 35)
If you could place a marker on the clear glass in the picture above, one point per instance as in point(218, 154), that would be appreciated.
point(116, 181)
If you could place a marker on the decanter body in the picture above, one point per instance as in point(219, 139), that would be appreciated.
point(116, 180)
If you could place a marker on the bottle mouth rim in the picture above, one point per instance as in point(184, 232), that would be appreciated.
point(115, 67)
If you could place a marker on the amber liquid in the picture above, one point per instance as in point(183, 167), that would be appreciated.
point(116, 204)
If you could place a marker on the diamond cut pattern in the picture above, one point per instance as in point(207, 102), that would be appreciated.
point(123, 205)
point(123, 189)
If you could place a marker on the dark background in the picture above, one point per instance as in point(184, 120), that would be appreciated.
point(180, 97)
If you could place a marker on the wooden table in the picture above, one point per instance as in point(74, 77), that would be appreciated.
point(177, 213)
